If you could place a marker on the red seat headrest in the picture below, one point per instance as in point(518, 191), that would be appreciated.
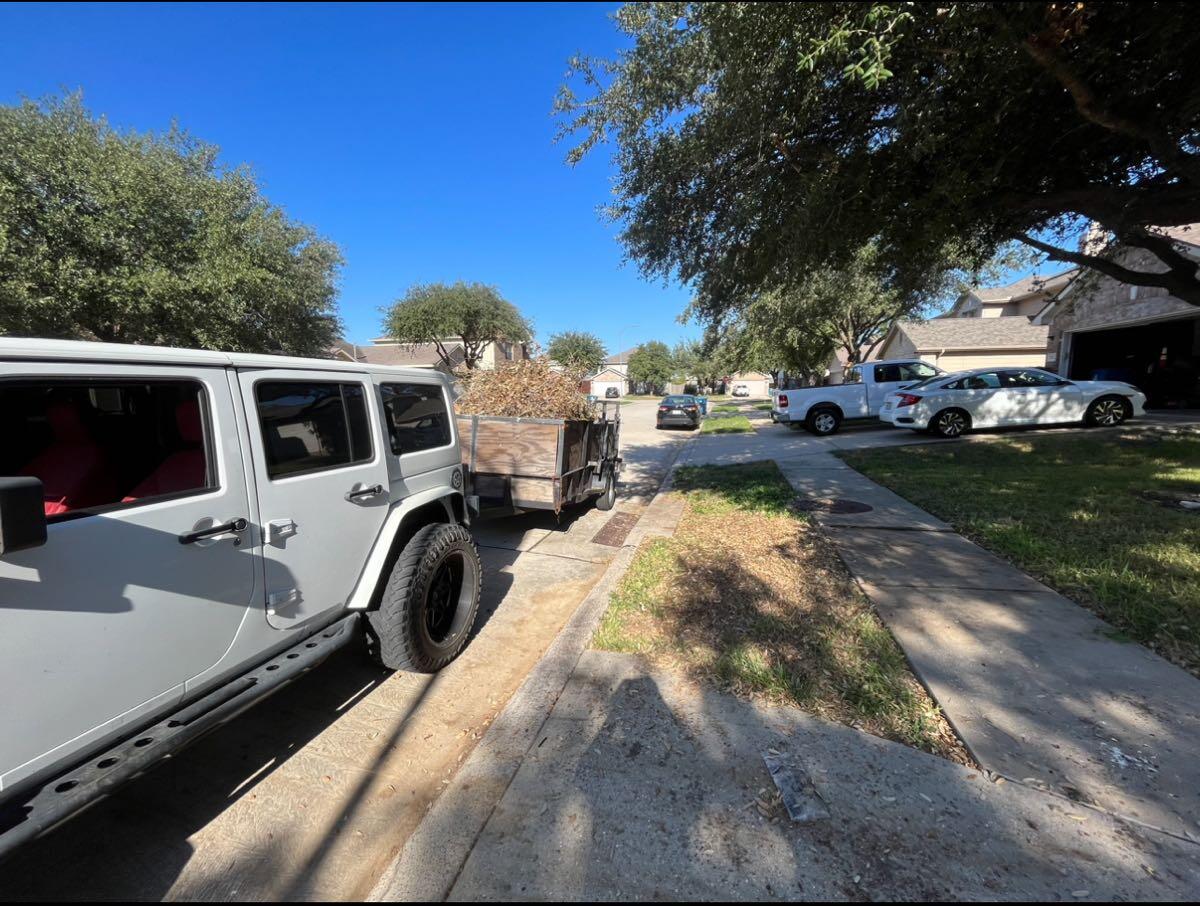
point(187, 420)
point(66, 422)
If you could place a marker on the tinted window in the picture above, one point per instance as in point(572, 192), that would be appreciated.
point(988, 381)
point(312, 425)
point(100, 445)
point(416, 417)
point(678, 401)
point(1030, 377)
point(905, 371)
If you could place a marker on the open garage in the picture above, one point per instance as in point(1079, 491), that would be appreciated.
point(1162, 358)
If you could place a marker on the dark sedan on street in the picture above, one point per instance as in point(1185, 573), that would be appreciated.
point(678, 411)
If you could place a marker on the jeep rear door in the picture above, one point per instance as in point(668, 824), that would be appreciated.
point(322, 485)
point(125, 602)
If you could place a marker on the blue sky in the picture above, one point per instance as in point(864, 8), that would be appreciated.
point(419, 138)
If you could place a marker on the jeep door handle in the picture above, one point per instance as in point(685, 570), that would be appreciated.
point(359, 493)
point(234, 526)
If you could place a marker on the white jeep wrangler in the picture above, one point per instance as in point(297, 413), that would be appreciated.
point(181, 532)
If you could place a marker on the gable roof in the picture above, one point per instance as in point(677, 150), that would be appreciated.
point(621, 358)
point(1011, 332)
point(1027, 286)
point(419, 355)
point(607, 374)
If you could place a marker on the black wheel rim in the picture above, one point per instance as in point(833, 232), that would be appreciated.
point(443, 599)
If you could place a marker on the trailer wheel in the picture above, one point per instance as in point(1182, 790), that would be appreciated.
point(608, 499)
point(430, 602)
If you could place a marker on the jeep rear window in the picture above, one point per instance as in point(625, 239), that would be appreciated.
point(310, 426)
point(101, 445)
point(416, 417)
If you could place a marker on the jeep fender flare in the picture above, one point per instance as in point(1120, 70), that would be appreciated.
point(403, 521)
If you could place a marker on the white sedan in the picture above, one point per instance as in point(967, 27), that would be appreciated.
point(952, 404)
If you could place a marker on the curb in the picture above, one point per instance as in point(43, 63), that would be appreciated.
point(432, 858)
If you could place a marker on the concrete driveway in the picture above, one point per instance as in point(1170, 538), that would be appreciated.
point(311, 794)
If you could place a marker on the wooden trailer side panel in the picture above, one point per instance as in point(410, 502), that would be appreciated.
point(495, 447)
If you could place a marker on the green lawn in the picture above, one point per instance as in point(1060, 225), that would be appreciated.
point(747, 595)
point(1079, 512)
point(726, 424)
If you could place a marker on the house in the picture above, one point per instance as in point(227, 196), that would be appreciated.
point(984, 326)
point(602, 380)
point(1025, 298)
point(614, 372)
point(757, 382)
point(387, 351)
point(956, 343)
point(1141, 334)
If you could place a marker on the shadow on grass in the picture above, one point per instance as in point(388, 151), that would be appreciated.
point(748, 595)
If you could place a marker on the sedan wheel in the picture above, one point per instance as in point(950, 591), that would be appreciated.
point(1108, 412)
point(951, 423)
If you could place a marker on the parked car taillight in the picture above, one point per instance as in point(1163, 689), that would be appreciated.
point(907, 399)
point(782, 398)
point(664, 408)
point(693, 408)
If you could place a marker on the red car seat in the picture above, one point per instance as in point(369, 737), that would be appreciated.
point(183, 470)
point(72, 469)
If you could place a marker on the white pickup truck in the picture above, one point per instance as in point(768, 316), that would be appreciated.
point(823, 409)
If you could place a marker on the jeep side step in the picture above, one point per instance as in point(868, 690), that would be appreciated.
point(44, 808)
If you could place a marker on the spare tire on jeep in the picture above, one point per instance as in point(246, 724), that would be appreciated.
point(430, 602)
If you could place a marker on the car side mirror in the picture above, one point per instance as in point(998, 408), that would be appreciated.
point(22, 514)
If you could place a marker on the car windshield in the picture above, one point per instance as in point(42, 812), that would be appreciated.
point(679, 401)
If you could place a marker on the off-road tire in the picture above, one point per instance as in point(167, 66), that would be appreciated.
point(405, 633)
point(1103, 414)
point(823, 422)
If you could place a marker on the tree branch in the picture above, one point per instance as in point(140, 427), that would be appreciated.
point(1178, 282)
point(1040, 48)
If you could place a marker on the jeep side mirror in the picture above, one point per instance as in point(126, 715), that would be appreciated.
point(22, 514)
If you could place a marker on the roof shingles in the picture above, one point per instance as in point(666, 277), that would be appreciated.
point(1014, 332)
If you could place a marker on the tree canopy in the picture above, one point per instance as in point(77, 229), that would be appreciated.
point(651, 363)
point(146, 238)
point(577, 350)
point(758, 141)
point(445, 313)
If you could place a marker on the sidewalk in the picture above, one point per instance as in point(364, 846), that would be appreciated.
point(1038, 688)
point(643, 786)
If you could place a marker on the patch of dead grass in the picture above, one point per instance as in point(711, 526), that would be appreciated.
point(752, 597)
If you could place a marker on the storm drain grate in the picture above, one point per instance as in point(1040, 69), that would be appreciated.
point(839, 505)
point(616, 530)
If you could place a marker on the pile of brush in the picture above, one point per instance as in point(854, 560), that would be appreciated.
point(524, 389)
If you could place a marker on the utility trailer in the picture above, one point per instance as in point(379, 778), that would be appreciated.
point(519, 464)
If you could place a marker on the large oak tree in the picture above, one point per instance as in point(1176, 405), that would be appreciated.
point(758, 141)
point(144, 238)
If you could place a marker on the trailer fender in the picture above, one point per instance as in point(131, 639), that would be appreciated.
point(405, 518)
